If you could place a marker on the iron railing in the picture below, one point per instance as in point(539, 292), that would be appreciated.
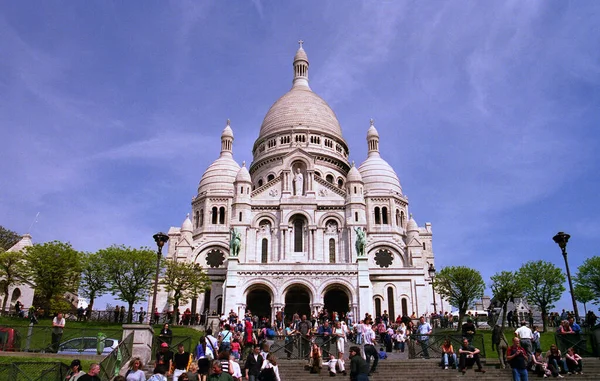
point(585, 344)
point(173, 341)
point(111, 365)
point(33, 371)
point(433, 344)
point(297, 347)
point(34, 338)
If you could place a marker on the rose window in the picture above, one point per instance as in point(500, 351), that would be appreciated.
point(215, 258)
point(384, 258)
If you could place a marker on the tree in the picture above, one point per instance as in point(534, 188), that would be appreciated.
point(543, 285)
point(93, 278)
point(184, 280)
point(54, 268)
point(460, 286)
point(11, 272)
point(8, 238)
point(588, 275)
point(506, 288)
point(129, 273)
point(583, 295)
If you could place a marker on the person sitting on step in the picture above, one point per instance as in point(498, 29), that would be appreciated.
point(469, 355)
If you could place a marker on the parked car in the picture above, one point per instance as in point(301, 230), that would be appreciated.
point(10, 339)
point(86, 346)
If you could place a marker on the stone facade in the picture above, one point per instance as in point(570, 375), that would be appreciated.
point(299, 209)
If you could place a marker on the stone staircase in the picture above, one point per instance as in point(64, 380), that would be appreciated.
point(424, 370)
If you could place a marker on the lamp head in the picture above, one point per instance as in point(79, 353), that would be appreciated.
point(160, 239)
point(561, 239)
point(431, 270)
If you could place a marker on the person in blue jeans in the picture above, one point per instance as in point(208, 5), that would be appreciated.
point(517, 358)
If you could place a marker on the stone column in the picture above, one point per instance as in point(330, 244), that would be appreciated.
point(143, 334)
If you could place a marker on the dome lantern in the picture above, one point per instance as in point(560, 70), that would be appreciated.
point(301, 67)
point(373, 140)
point(227, 140)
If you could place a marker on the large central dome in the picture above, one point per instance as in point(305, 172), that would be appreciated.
point(300, 107)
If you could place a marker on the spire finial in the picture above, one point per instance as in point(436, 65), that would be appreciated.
point(410, 215)
point(300, 42)
point(372, 122)
point(228, 122)
point(187, 216)
point(353, 163)
point(244, 163)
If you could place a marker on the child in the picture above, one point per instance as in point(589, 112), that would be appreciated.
point(382, 354)
point(235, 348)
point(332, 364)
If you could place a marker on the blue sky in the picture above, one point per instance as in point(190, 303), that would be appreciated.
point(488, 111)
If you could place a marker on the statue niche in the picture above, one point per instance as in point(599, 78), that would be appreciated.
point(298, 182)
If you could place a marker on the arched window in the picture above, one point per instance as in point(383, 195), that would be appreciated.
point(402, 219)
point(317, 173)
point(404, 307)
point(398, 220)
point(331, 250)
point(424, 247)
point(354, 190)
point(377, 307)
point(377, 216)
point(197, 219)
point(298, 235)
point(260, 182)
point(270, 177)
point(329, 178)
point(201, 217)
point(340, 183)
point(356, 216)
point(264, 250)
point(215, 214)
point(240, 217)
point(390, 297)
point(222, 215)
point(219, 305)
point(384, 215)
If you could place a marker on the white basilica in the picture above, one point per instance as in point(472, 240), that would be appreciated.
point(297, 213)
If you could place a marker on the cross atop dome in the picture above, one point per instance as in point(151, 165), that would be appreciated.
point(300, 42)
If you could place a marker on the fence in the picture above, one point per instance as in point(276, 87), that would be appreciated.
point(585, 344)
point(110, 366)
point(39, 339)
point(431, 345)
point(297, 347)
point(173, 341)
point(33, 371)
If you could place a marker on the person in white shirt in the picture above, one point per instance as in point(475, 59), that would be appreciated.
point(359, 332)
point(370, 350)
point(271, 362)
point(237, 371)
point(525, 335)
point(58, 325)
point(340, 335)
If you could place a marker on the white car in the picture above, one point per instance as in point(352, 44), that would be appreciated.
point(86, 346)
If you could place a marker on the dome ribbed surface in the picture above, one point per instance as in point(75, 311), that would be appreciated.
point(372, 132)
point(187, 225)
point(412, 225)
point(227, 132)
point(354, 175)
point(378, 175)
point(300, 55)
point(243, 175)
point(300, 106)
point(220, 175)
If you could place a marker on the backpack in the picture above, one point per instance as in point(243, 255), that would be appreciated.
point(270, 333)
point(267, 374)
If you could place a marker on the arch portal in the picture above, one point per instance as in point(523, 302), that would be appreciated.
point(297, 300)
point(258, 301)
point(336, 300)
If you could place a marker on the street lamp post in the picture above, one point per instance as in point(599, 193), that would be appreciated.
point(561, 239)
point(431, 271)
point(160, 239)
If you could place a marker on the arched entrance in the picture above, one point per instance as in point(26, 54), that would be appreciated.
point(336, 300)
point(297, 300)
point(258, 301)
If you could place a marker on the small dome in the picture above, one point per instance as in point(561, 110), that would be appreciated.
point(220, 175)
point(300, 55)
point(227, 132)
point(187, 224)
point(243, 175)
point(354, 175)
point(372, 131)
point(379, 176)
point(412, 224)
